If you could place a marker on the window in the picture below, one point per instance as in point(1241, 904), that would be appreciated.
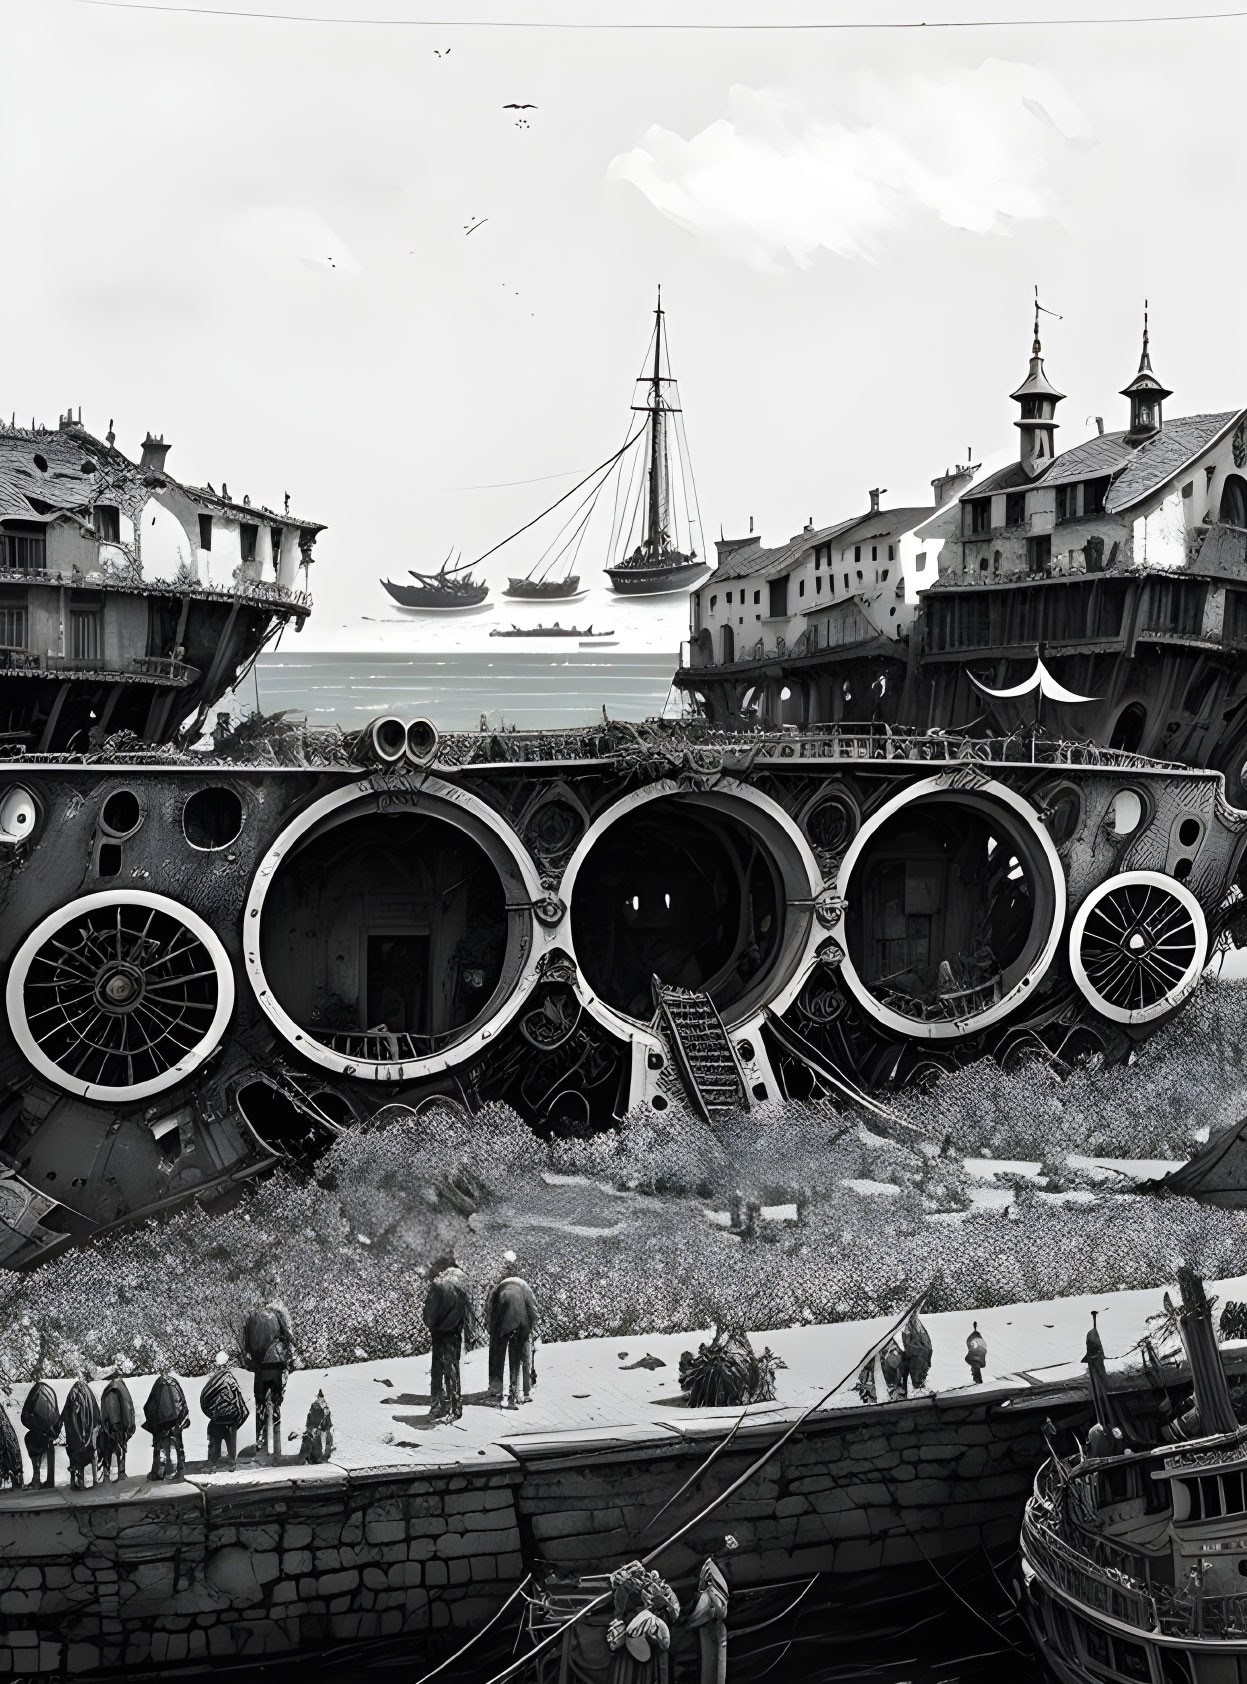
point(846, 581)
point(1030, 409)
point(920, 562)
point(980, 515)
point(874, 552)
point(276, 534)
point(107, 523)
point(247, 538)
point(801, 588)
point(1039, 552)
point(818, 586)
point(1015, 508)
point(779, 597)
point(757, 598)
point(886, 571)
point(84, 634)
point(23, 549)
point(714, 603)
point(729, 599)
point(205, 532)
point(857, 553)
point(818, 558)
point(13, 625)
point(891, 554)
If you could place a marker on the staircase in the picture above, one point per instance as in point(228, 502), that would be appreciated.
point(702, 1052)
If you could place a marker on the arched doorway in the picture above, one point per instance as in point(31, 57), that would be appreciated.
point(1129, 727)
point(1233, 510)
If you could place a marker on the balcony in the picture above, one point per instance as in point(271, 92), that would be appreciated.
point(144, 669)
point(266, 593)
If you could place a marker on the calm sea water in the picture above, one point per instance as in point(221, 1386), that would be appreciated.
point(529, 688)
point(944, 1633)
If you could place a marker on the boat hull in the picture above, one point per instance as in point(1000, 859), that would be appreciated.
point(426, 599)
point(653, 581)
point(532, 590)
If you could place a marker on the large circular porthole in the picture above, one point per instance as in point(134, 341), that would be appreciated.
point(119, 995)
point(705, 891)
point(385, 938)
point(1138, 946)
point(955, 900)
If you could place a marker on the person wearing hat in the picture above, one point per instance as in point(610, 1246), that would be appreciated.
point(447, 1315)
point(511, 1316)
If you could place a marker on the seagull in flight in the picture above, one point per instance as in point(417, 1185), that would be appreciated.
point(515, 107)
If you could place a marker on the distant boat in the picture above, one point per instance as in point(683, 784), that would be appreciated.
point(555, 630)
point(450, 587)
point(650, 497)
point(658, 564)
point(543, 590)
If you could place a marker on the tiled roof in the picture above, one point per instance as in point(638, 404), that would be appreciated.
point(750, 563)
point(1104, 454)
point(80, 470)
point(1165, 456)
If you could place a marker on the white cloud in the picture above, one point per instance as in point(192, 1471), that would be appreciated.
point(978, 149)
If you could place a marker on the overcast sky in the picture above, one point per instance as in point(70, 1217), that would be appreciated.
point(250, 235)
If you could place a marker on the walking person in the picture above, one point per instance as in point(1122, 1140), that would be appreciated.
point(226, 1408)
point(511, 1316)
point(448, 1317)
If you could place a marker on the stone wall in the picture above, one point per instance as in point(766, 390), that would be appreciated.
point(251, 1564)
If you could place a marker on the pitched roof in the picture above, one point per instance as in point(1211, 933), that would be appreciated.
point(78, 470)
point(750, 563)
point(1165, 456)
point(1138, 470)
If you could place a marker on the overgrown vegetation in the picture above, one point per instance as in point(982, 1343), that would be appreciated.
point(614, 1231)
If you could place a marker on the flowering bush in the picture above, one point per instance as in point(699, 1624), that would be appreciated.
point(627, 1249)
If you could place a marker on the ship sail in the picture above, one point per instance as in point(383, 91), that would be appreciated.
point(639, 505)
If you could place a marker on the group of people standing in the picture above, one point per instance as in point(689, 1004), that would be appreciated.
point(511, 1327)
point(96, 1432)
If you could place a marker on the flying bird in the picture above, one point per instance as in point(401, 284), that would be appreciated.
point(515, 107)
point(439, 52)
point(471, 227)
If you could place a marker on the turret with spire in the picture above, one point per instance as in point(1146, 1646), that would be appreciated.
point(1038, 398)
point(1146, 395)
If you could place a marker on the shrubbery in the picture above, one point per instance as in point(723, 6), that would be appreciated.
point(348, 1248)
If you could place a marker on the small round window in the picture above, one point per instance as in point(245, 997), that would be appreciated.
point(121, 813)
point(212, 818)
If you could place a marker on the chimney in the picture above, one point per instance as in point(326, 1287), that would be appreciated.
point(951, 483)
point(152, 460)
point(751, 523)
point(876, 494)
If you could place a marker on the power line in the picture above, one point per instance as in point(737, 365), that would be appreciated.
point(580, 25)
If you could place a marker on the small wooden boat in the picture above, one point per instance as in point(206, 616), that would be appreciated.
point(533, 589)
point(448, 588)
point(555, 630)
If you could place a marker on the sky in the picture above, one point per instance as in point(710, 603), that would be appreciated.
point(323, 257)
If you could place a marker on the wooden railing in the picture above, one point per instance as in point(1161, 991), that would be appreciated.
point(1105, 1589)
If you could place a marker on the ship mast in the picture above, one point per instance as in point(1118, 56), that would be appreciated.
point(657, 450)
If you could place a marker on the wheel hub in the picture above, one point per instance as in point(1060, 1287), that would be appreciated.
point(119, 987)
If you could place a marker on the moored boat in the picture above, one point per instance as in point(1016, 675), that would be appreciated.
point(1134, 1556)
point(450, 587)
point(555, 630)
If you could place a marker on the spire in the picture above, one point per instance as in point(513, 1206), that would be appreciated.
point(1038, 398)
point(1146, 395)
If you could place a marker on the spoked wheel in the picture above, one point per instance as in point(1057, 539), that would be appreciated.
point(1138, 946)
point(120, 994)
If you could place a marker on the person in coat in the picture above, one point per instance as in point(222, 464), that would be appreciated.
point(117, 1426)
point(447, 1309)
point(226, 1408)
point(82, 1421)
point(511, 1316)
point(41, 1417)
point(269, 1346)
point(165, 1417)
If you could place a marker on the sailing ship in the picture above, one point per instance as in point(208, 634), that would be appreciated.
point(450, 587)
point(657, 564)
point(1133, 1554)
point(555, 630)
